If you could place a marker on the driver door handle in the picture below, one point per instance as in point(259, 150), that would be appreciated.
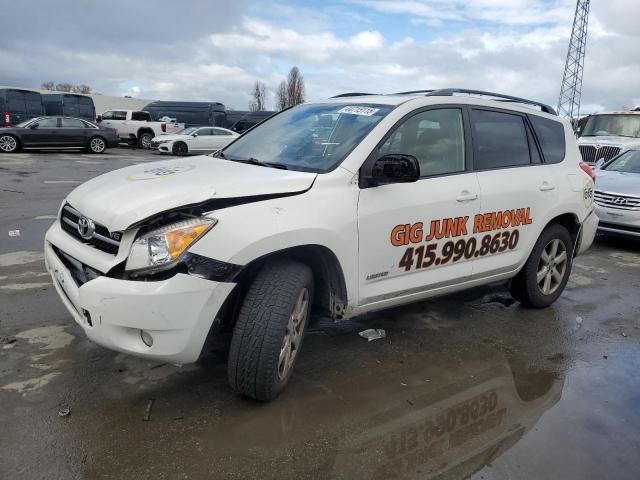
point(466, 196)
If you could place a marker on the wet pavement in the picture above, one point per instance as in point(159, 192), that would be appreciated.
point(465, 386)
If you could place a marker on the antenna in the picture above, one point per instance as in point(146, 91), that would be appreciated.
point(571, 89)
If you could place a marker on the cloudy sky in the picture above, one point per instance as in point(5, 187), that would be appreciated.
point(215, 50)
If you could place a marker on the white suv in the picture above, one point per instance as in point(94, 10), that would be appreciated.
point(342, 207)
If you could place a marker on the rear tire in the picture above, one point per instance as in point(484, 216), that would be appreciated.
point(9, 144)
point(97, 145)
point(144, 140)
point(270, 328)
point(180, 149)
point(546, 272)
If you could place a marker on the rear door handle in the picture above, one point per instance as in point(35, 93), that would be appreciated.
point(546, 186)
point(466, 196)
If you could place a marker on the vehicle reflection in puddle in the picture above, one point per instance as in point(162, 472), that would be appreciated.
point(454, 419)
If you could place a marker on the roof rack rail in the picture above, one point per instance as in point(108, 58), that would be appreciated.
point(352, 94)
point(411, 92)
point(498, 96)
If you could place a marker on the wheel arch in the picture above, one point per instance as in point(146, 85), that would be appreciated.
point(571, 222)
point(331, 296)
point(142, 130)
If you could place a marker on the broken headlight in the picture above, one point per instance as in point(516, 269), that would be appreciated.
point(165, 245)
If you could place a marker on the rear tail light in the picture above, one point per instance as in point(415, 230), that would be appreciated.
point(163, 127)
point(588, 170)
point(7, 118)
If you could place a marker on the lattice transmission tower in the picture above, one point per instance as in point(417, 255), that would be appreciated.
point(571, 90)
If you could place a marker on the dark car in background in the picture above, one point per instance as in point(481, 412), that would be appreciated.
point(192, 114)
point(57, 133)
point(69, 105)
point(18, 105)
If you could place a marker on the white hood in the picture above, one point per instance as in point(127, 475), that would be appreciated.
point(171, 136)
point(608, 140)
point(623, 183)
point(123, 197)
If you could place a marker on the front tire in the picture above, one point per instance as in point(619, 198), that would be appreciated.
point(97, 145)
point(270, 328)
point(9, 144)
point(180, 149)
point(543, 278)
point(144, 140)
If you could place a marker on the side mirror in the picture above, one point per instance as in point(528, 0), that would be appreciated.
point(33, 126)
point(395, 168)
point(599, 164)
point(98, 118)
point(194, 135)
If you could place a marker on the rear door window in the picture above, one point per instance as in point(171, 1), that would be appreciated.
point(140, 116)
point(500, 140)
point(72, 123)
point(550, 133)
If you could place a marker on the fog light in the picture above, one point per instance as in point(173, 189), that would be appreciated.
point(146, 337)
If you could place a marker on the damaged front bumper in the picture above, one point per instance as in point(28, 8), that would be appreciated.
point(177, 312)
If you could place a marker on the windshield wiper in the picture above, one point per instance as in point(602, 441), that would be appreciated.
point(255, 161)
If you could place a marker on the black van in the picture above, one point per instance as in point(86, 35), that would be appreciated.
point(251, 119)
point(192, 114)
point(18, 105)
point(69, 105)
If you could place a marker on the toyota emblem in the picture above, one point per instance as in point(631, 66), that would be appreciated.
point(86, 227)
point(620, 201)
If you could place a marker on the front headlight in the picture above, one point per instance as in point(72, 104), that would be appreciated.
point(165, 245)
point(160, 142)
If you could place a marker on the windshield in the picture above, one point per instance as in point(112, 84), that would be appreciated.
point(627, 162)
point(618, 125)
point(187, 131)
point(311, 138)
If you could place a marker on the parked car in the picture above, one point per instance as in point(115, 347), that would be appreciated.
point(617, 194)
point(194, 140)
point(192, 114)
point(57, 133)
point(608, 134)
point(137, 127)
point(251, 119)
point(69, 105)
point(399, 198)
point(18, 105)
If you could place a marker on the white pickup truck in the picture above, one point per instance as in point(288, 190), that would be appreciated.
point(136, 127)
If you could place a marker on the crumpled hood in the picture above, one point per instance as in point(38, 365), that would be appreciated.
point(618, 182)
point(123, 197)
point(608, 140)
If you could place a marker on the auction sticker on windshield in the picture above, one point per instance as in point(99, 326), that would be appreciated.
point(355, 110)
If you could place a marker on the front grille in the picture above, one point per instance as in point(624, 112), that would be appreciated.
point(615, 200)
point(591, 154)
point(101, 238)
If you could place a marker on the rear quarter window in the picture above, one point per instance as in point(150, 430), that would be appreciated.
point(551, 136)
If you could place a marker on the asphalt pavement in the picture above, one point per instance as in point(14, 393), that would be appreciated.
point(465, 386)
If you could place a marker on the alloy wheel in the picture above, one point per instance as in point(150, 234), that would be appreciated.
point(293, 336)
point(97, 145)
point(552, 266)
point(8, 144)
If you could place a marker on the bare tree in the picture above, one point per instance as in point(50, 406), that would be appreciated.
point(48, 86)
point(82, 88)
point(295, 87)
point(281, 96)
point(259, 94)
point(64, 87)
